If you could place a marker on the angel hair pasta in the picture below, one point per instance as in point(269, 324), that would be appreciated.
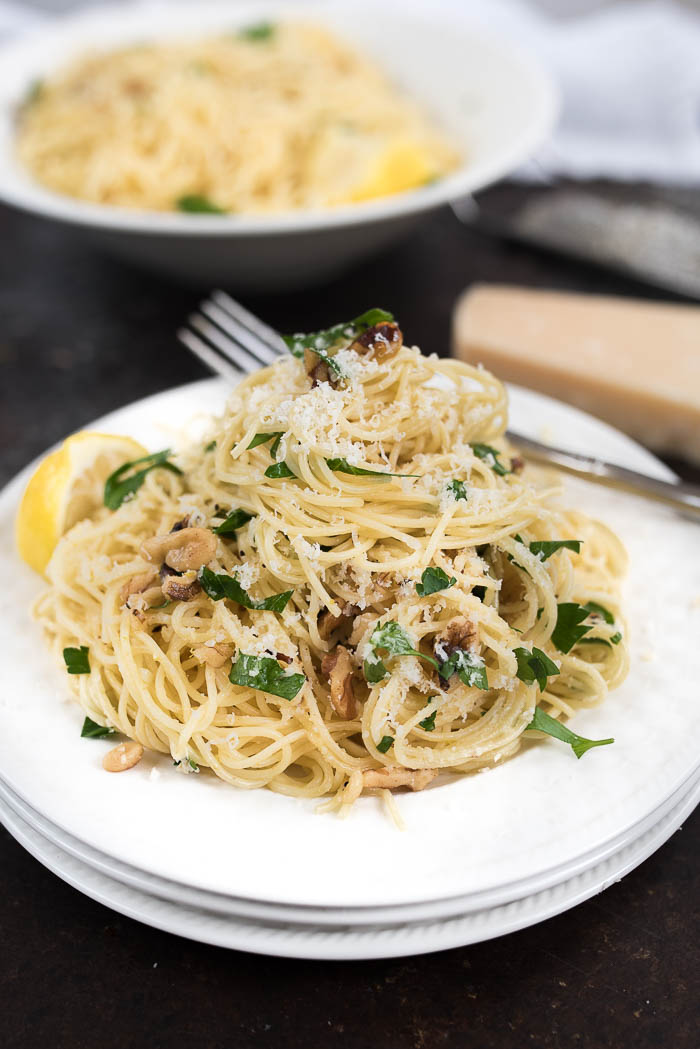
point(355, 585)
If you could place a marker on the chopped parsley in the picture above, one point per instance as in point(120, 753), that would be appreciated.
point(221, 586)
point(194, 767)
point(491, 457)
point(319, 341)
point(547, 547)
point(278, 470)
point(395, 640)
point(34, 92)
point(535, 666)
point(198, 204)
point(457, 488)
point(266, 675)
point(595, 609)
point(257, 32)
point(579, 744)
point(76, 660)
point(263, 438)
point(433, 580)
point(122, 484)
point(429, 723)
point(210, 447)
point(234, 520)
point(568, 631)
point(469, 669)
point(342, 466)
point(91, 730)
point(385, 744)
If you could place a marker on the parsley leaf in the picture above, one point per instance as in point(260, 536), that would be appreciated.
point(234, 520)
point(491, 457)
point(218, 587)
point(198, 204)
point(385, 743)
point(342, 466)
point(395, 640)
point(188, 761)
point(535, 666)
point(279, 470)
point(458, 489)
point(121, 484)
point(76, 660)
point(568, 632)
point(469, 669)
point(593, 608)
point(263, 438)
point(579, 744)
point(547, 547)
point(327, 337)
point(266, 675)
point(429, 723)
point(258, 32)
point(433, 580)
point(91, 730)
point(374, 672)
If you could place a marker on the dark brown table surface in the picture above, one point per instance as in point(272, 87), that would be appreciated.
point(80, 335)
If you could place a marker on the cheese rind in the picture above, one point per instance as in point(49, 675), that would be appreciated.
point(635, 364)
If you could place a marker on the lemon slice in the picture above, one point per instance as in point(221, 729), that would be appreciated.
point(403, 165)
point(66, 487)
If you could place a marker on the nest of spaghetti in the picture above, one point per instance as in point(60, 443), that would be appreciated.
point(354, 585)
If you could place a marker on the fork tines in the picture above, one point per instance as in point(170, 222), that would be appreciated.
point(229, 339)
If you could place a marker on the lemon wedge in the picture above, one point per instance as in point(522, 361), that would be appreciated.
point(404, 165)
point(66, 487)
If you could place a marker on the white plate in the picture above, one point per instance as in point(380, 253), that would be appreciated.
point(539, 815)
point(230, 906)
point(343, 943)
point(495, 104)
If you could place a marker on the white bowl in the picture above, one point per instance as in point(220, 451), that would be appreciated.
point(495, 104)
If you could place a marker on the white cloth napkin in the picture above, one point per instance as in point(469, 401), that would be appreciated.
point(629, 76)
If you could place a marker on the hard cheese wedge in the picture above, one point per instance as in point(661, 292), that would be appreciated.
point(635, 364)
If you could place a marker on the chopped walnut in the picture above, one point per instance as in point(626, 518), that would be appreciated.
point(180, 587)
point(145, 585)
point(381, 341)
point(317, 369)
point(183, 549)
point(337, 665)
point(392, 776)
point(214, 655)
point(459, 633)
point(328, 623)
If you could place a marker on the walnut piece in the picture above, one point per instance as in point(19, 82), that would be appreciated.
point(459, 633)
point(183, 549)
point(392, 776)
point(327, 623)
point(381, 341)
point(180, 587)
point(338, 667)
point(214, 655)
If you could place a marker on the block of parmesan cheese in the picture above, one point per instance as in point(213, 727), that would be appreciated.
point(635, 364)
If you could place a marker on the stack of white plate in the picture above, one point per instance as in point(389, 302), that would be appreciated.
point(480, 856)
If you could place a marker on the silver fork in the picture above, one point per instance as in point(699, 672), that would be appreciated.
point(233, 342)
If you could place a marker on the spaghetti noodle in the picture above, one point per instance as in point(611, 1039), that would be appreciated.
point(357, 586)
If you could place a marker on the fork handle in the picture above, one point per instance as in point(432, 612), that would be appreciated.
point(679, 494)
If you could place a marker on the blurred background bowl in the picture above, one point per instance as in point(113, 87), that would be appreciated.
point(495, 104)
